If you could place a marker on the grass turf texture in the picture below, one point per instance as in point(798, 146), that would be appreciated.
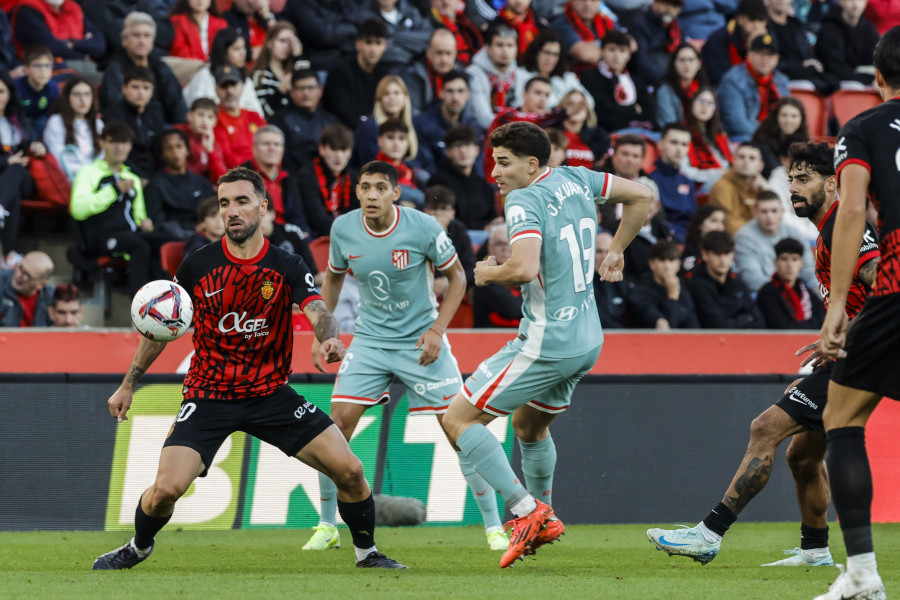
point(597, 561)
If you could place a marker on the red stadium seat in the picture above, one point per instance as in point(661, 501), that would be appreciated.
point(463, 319)
point(171, 255)
point(846, 104)
point(816, 111)
point(319, 248)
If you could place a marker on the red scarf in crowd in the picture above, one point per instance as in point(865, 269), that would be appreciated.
point(500, 87)
point(601, 24)
point(768, 91)
point(702, 156)
point(336, 196)
point(674, 36)
point(405, 175)
point(735, 55)
point(526, 28)
point(468, 37)
point(434, 80)
point(800, 304)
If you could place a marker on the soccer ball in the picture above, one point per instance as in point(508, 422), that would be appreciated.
point(162, 311)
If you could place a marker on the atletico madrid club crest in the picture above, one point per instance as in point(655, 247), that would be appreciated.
point(400, 258)
point(268, 288)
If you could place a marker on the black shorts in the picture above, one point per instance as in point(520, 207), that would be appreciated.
point(806, 401)
point(873, 349)
point(283, 418)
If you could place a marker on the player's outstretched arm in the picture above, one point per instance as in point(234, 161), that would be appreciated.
point(147, 352)
point(430, 341)
point(326, 329)
point(636, 199)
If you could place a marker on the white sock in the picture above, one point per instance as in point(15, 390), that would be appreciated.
point(140, 552)
point(816, 552)
point(523, 507)
point(361, 553)
point(708, 534)
point(862, 562)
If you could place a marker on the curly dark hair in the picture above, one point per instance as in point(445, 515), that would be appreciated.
point(529, 58)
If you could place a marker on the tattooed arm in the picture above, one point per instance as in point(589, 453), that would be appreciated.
point(866, 273)
point(147, 352)
point(327, 344)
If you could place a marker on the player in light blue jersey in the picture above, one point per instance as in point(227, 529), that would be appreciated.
point(551, 221)
point(399, 331)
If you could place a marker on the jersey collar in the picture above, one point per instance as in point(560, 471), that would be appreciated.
point(389, 231)
point(246, 261)
point(543, 175)
point(828, 214)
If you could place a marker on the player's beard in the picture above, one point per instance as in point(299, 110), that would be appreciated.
point(242, 235)
point(811, 206)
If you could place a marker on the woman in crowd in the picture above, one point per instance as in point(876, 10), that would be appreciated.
point(72, 134)
point(545, 57)
point(587, 142)
point(779, 129)
point(391, 102)
point(684, 77)
point(709, 155)
point(282, 54)
point(707, 217)
point(196, 23)
point(228, 48)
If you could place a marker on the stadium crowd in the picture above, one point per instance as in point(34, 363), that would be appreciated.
point(125, 113)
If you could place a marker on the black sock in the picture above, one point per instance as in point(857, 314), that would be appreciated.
point(813, 537)
point(851, 486)
point(146, 527)
point(720, 519)
point(360, 518)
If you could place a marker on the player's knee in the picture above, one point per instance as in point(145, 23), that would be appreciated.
point(761, 429)
point(800, 461)
point(350, 477)
point(164, 493)
point(528, 431)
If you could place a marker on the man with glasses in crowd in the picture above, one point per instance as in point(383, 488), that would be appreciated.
point(24, 293)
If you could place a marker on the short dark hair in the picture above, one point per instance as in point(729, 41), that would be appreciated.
point(304, 74)
point(717, 242)
point(630, 139)
point(767, 196)
point(499, 28)
point(537, 79)
point(117, 131)
point(380, 167)
point(245, 174)
point(752, 145)
point(788, 246)
point(614, 37)
point(755, 10)
point(460, 134)
point(336, 136)
point(34, 52)
point(453, 75)
point(523, 139)
point(674, 126)
point(167, 133)
point(886, 57)
point(208, 207)
point(372, 28)
point(665, 250)
point(205, 104)
point(439, 195)
point(395, 125)
point(817, 156)
point(136, 73)
point(65, 292)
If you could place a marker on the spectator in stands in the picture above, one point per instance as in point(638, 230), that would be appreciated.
point(448, 14)
point(350, 88)
point(657, 34)
point(36, 89)
point(677, 191)
point(722, 300)
point(544, 57)
point(786, 301)
point(627, 162)
point(432, 125)
point(621, 100)
point(65, 310)
point(474, 196)
point(327, 185)
point(228, 48)
point(492, 75)
point(393, 148)
point(143, 117)
point(727, 46)
point(138, 34)
point(700, 18)
point(755, 242)
point(497, 305)
point(108, 202)
point(109, 15)
point(796, 54)
point(587, 143)
point(783, 126)
point(710, 153)
point(280, 57)
point(883, 14)
point(707, 217)
point(559, 144)
point(291, 239)
point(196, 23)
point(303, 120)
point(9, 61)
point(62, 26)
point(281, 188)
point(750, 90)
point(519, 15)
point(391, 102)
point(736, 192)
point(846, 42)
point(611, 296)
point(683, 78)
point(424, 80)
point(174, 192)
point(408, 30)
point(581, 27)
point(660, 300)
point(251, 19)
point(210, 226)
point(440, 203)
point(72, 134)
point(654, 230)
point(24, 293)
point(235, 126)
point(327, 28)
point(206, 156)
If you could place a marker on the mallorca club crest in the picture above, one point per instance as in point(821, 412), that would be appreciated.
point(268, 288)
point(400, 258)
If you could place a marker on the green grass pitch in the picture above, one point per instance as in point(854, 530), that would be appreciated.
point(597, 561)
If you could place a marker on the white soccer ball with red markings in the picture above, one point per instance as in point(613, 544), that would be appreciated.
point(162, 311)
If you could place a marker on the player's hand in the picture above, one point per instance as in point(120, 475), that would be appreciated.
point(482, 270)
point(332, 350)
point(430, 342)
point(611, 268)
point(120, 402)
point(815, 358)
point(834, 333)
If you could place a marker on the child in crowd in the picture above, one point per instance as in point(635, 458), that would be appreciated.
point(145, 118)
point(210, 227)
point(206, 157)
point(393, 147)
point(786, 302)
point(37, 90)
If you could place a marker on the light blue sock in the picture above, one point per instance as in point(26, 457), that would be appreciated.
point(327, 500)
point(483, 493)
point(538, 463)
point(486, 454)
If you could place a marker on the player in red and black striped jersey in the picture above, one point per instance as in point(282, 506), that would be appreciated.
point(865, 157)
point(243, 290)
point(799, 412)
